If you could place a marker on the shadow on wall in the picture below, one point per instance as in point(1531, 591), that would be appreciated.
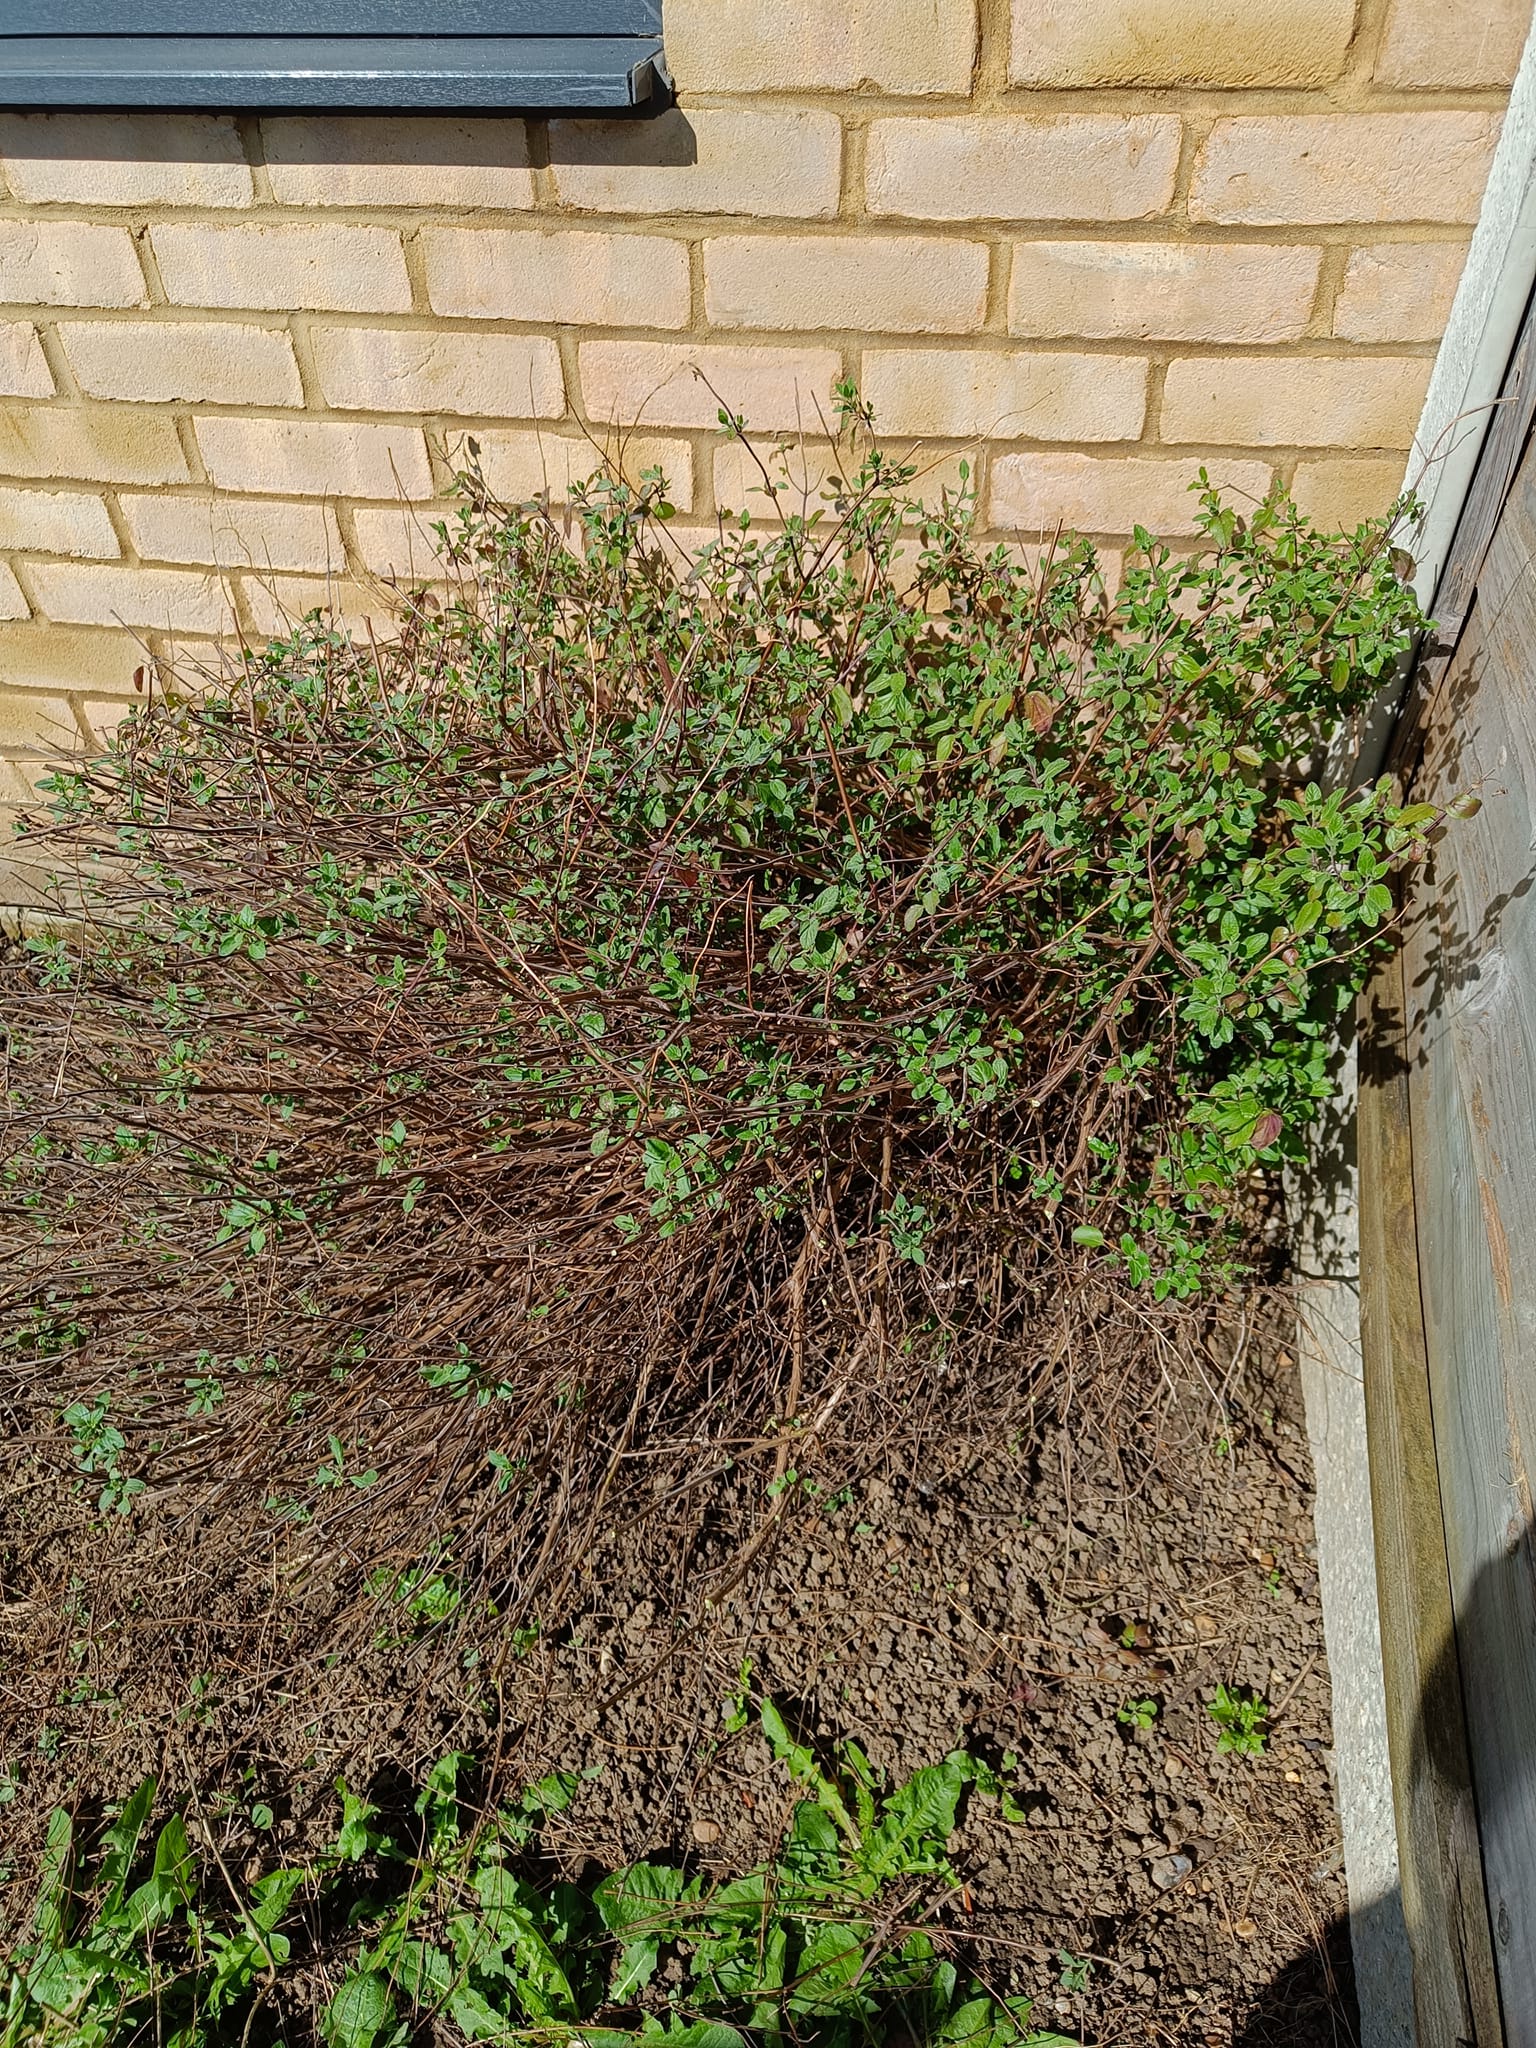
point(472, 140)
point(1475, 1971)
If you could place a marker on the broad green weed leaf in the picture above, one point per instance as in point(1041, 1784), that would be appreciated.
point(973, 2025)
point(272, 1895)
point(426, 1976)
point(917, 1821)
point(705, 2034)
point(354, 1838)
point(438, 1800)
point(120, 1845)
point(812, 1828)
point(360, 2011)
point(50, 1915)
point(800, 1762)
point(831, 1965)
point(635, 1968)
point(554, 1793)
point(641, 1895)
point(514, 1917)
point(640, 1905)
point(238, 1960)
point(62, 1979)
point(476, 2017)
point(169, 1884)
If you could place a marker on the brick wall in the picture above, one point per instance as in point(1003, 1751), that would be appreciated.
point(1087, 244)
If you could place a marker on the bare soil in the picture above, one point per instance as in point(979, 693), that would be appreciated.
point(997, 1579)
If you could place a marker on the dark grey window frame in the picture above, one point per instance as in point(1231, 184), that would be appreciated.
point(524, 56)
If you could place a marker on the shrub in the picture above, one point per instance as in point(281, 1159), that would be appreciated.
point(653, 1002)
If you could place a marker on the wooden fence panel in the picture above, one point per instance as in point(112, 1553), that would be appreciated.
point(1470, 985)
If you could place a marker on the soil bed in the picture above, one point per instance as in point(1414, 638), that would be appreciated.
point(984, 1602)
point(995, 1580)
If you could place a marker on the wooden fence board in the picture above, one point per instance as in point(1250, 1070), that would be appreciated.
point(1454, 1988)
point(1470, 980)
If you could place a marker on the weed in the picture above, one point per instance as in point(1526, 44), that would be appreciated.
point(736, 1711)
point(99, 1445)
point(1139, 1714)
point(1242, 1715)
point(450, 1926)
point(1076, 1971)
point(334, 1471)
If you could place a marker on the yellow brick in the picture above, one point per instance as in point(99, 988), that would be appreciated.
point(683, 545)
point(13, 603)
point(891, 46)
point(583, 278)
point(1279, 169)
point(85, 594)
point(1179, 42)
point(277, 604)
point(655, 383)
point(230, 532)
point(1162, 291)
point(24, 371)
point(1099, 494)
point(1337, 495)
point(519, 465)
point(895, 284)
point(104, 715)
point(99, 445)
point(56, 523)
point(1097, 167)
point(105, 159)
point(500, 376)
point(398, 541)
point(1007, 397)
point(283, 266)
point(18, 792)
point(58, 658)
point(184, 662)
point(428, 160)
point(1399, 291)
point(1313, 402)
point(1473, 43)
point(314, 458)
point(68, 263)
point(203, 361)
point(783, 165)
point(802, 472)
point(34, 724)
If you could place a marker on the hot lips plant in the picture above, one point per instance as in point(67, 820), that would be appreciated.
point(658, 1004)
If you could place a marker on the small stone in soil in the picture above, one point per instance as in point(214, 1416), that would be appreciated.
point(705, 1831)
point(1169, 1871)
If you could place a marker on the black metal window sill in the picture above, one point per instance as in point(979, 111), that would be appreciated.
point(525, 56)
